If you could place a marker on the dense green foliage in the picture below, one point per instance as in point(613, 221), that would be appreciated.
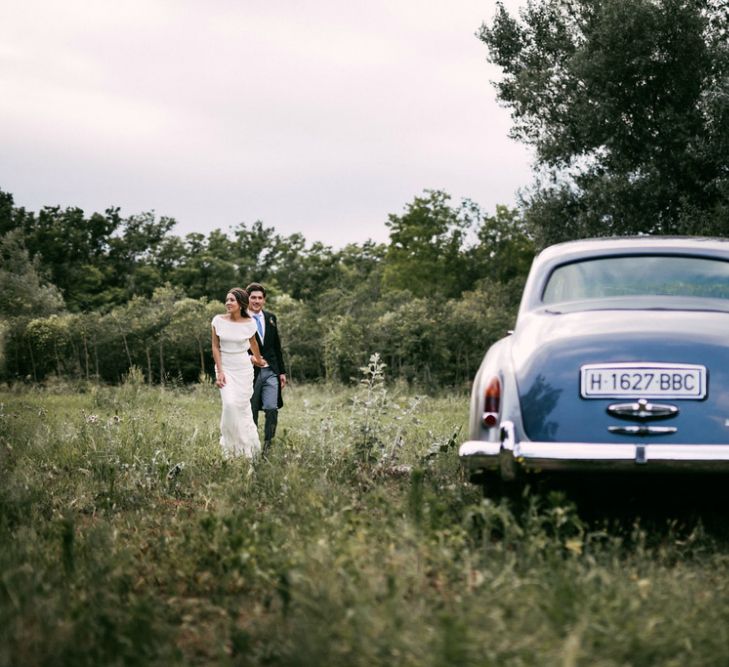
point(95, 297)
point(127, 540)
point(625, 103)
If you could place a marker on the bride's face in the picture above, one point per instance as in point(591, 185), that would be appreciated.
point(231, 304)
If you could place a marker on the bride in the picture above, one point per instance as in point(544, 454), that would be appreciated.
point(232, 336)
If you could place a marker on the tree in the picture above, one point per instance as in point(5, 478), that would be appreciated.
point(355, 284)
point(207, 268)
point(304, 271)
point(73, 251)
point(98, 261)
point(7, 212)
point(132, 255)
point(48, 341)
point(625, 103)
point(143, 327)
point(22, 291)
point(301, 338)
point(188, 333)
point(344, 348)
point(505, 249)
point(256, 250)
point(414, 340)
point(425, 255)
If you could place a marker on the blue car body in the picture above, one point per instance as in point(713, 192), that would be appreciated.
point(619, 360)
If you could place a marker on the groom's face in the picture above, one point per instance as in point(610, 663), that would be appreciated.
point(256, 301)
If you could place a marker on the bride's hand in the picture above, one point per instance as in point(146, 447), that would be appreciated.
point(220, 380)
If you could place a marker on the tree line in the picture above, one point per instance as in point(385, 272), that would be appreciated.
point(625, 104)
point(93, 297)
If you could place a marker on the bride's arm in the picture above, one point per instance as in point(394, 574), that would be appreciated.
point(257, 358)
point(219, 374)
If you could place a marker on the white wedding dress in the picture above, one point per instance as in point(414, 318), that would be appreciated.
point(238, 433)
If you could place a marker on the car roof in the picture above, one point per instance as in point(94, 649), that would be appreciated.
point(617, 245)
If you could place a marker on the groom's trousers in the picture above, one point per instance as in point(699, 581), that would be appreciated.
point(265, 397)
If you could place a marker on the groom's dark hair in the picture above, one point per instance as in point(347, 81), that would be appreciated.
point(256, 287)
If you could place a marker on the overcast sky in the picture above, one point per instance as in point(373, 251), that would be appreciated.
point(318, 117)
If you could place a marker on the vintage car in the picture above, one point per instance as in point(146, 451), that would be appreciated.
point(619, 361)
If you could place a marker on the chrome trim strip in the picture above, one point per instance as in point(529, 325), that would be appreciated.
point(565, 451)
point(642, 430)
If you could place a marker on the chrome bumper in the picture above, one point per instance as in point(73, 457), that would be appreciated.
point(509, 456)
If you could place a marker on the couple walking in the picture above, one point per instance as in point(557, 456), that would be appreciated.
point(249, 370)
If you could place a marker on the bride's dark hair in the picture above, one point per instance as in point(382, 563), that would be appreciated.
point(241, 296)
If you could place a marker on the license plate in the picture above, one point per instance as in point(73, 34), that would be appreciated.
point(643, 380)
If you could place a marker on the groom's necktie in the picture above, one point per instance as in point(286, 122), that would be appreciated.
point(259, 325)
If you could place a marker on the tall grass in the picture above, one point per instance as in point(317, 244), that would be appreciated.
point(127, 539)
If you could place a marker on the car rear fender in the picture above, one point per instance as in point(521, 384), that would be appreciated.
point(496, 364)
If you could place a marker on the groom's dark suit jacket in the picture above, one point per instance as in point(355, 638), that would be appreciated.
point(271, 350)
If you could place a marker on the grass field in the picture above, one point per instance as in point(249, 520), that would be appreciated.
point(128, 540)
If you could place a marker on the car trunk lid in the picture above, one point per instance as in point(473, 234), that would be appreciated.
point(552, 351)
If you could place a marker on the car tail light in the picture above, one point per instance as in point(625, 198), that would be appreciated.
point(491, 403)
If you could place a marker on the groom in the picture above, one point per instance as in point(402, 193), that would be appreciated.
point(271, 379)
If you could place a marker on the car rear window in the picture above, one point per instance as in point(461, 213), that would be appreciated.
point(638, 275)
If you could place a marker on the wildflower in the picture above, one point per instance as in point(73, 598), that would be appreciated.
point(574, 546)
